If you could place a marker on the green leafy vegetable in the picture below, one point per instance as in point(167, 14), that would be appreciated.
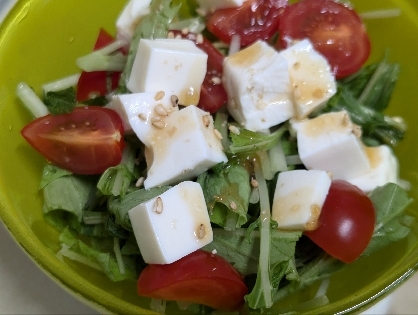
point(227, 189)
point(66, 192)
point(115, 180)
point(60, 102)
point(249, 142)
point(390, 202)
point(105, 260)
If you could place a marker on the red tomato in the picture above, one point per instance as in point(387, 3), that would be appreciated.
point(255, 19)
point(346, 222)
point(212, 93)
point(97, 83)
point(200, 277)
point(85, 141)
point(335, 30)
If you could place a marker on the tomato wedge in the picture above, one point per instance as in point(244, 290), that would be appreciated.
point(97, 83)
point(200, 277)
point(255, 19)
point(212, 93)
point(346, 222)
point(335, 30)
point(85, 141)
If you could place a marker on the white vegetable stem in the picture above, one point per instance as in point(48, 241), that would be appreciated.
point(118, 254)
point(31, 101)
point(264, 259)
point(61, 84)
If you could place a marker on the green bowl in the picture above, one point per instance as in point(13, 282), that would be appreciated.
point(40, 41)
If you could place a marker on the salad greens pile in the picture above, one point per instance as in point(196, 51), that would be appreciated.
point(92, 211)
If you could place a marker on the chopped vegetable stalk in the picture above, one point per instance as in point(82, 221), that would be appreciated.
point(61, 84)
point(263, 274)
point(381, 14)
point(31, 101)
point(94, 217)
point(118, 254)
point(104, 59)
point(278, 160)
point(65, 251)
point(194, 25)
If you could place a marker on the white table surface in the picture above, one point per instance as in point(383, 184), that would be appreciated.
point(25, 289)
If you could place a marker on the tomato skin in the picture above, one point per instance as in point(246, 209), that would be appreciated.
point(212, 94)
point(255, 19)
point(335, 30)
point(85, 141)
point(200, 277)
point(346, 222)
point(96, 83)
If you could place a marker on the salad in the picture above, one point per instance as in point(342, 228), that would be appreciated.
point(219, 162)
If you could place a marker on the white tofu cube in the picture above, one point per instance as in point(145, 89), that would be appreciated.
point(208, 6)
point(139, 110)
point(330, 143)
point(384, 169)
point(257, 82)
point(299, 197)
point(311, 77)
point(172, 225)
point(176, 66)
point(130, 17)
point(185, 146)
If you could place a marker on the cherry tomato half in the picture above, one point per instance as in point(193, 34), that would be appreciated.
point(335, 30)
point(255, 19)
point(346, 222)
point(212, 93)
point(85, 141)
point(97, 83)
point(200, 277)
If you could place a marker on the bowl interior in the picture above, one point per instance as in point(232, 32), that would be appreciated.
point(40, 41)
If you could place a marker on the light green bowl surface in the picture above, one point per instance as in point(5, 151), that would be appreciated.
point(40, 41)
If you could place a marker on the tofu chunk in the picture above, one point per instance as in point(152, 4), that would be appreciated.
point(139, 110)
point(384, 169)
point(257, 82)
point(310, 74)
point(299, 197)
point(330, 142)
point(208, 6)
point(129, 18)
point(176, 66)
point(182, 146)
point(172, 225)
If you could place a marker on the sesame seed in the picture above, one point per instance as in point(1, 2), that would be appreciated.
point(159, 95)
point(199, 39)
point(233, 104)
point(87, 123)
point(201, 231)
point(185, 31)
point(254, 183)
point(174, 100)
point(160, 110)
point(206, 120)
point(140, 182)
point(158, 205)
point(214, 252)
point(217, 134)
point(234, 129)
point(357, 131)
point(178, 36)
point(330, 175)
point(156, 118)
point(159, 124)
point(216, 80)
point(201, 12)
point(233, 205)
point(170, 35)
point(346, 120)
point(142, 117)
